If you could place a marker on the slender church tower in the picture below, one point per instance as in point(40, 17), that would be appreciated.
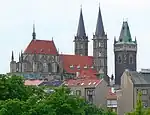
point(12, 64)
point(125, 50)
point(81, 40)
point(100, 47)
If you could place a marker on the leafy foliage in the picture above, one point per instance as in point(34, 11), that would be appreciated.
point(139, 110)
point(18, 99)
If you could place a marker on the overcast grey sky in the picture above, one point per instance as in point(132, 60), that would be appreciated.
point(59, 19)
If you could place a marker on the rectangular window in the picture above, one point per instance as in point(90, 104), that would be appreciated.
point(90, 92)
point(81, 45)
point(112, 103)
point(90, 99)
point(78, 92)
point(144, 91)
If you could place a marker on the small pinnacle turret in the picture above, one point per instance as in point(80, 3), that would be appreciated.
point(12, 56)
point(114, 39)
point(19, 57)
point(34, 34)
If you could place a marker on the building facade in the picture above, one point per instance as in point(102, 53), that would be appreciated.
point(125, 51)
point(88, 86)
point(132, 83)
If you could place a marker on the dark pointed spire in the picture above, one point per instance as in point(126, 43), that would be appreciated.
point(99, 27)
point(125, 35)
point(34, 34)
point(112, 77)
point(81, 28)
point(135, 40)
point(114, 39)
point(12, 56)
point(19, 57)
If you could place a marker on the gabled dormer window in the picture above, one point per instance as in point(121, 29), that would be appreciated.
point(85, 67)
point(71, 66)
point(78, 67)
point(92, 67)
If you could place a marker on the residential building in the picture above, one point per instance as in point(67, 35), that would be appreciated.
point(111, 99)
point(132, 83)
point(88, 86)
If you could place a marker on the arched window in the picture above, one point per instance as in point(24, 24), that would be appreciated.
point(49, 67)
point(130, 59)
point(119, 59)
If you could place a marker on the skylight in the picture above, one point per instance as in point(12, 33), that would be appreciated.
point(94, 83)
point(85, 67)
point(78, 66)
point(90, 83)
point(71, 66)
point(92, 67)
point(82, 83)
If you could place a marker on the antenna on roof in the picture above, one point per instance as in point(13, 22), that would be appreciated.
point(52, 38)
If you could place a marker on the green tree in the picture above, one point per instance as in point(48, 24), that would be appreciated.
point(139, 109)
point(18, 99)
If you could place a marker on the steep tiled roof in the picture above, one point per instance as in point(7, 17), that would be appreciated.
point(84, 79)
point(41, 47)
point(86, 74)
point(83, 82)
point(77, 63)
point(111, 94)
point(33, 82)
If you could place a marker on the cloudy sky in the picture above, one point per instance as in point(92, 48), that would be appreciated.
point(59, 19)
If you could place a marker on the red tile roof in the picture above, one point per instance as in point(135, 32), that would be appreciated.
point(86, 74)
point(83, 82)
point(77, 63)
point(33, 82)
point(111, 94)
point(86, 78)
point(41, 47)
